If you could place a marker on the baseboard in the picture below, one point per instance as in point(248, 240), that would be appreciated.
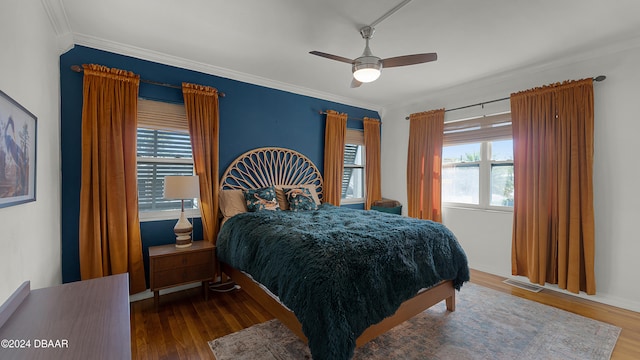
point(600, 297)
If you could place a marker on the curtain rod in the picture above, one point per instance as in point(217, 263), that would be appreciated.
point(78, 69)
point(349, 118)
point(597, 79)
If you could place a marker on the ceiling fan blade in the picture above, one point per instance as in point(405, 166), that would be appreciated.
point(355, 83)
point(332, 57)
point(409, 60)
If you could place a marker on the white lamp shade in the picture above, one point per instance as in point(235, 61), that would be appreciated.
point(181, 187)
point(366, 75)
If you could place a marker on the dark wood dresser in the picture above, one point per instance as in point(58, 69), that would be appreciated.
point(80, 320)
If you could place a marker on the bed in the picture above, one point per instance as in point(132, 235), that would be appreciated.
point(336, 277)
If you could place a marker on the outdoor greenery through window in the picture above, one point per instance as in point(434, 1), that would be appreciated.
point(478, 173)
point(461, 174)
point(161, 153)
point(477, 162)
point(501, 162)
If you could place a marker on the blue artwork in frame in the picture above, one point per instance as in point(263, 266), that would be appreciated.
point(17, 153)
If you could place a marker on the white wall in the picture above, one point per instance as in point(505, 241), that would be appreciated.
point(29, 73)
point(486, 236)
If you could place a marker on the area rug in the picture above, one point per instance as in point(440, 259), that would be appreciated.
point(487, 324)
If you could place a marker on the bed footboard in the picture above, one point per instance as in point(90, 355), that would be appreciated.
point(411, 308)
point(408, 309)
point(286, 316)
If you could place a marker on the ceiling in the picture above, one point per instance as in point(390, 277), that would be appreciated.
point(268, 42)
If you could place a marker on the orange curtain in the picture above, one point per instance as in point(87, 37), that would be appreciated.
point(109, 225)
point(372, 161)
point(553, 225)
point(201, 105)
point(334, 137)
point(424, 165)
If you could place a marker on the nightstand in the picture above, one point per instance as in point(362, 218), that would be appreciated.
point(170, 266)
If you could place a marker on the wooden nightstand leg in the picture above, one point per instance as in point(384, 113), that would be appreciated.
point(156, 299)
point(205, 289)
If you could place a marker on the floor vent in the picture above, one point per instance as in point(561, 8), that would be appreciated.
point(523, 285)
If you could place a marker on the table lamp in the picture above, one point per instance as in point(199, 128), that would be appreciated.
point(181, 188)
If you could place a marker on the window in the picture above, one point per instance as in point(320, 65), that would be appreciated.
point(477, 163)
point(501, 163)
point(461, 173)
point(163, 148)
point(353, 185)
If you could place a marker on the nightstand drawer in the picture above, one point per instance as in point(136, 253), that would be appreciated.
point(182, 275)
point(170, 266)
point(183, 260)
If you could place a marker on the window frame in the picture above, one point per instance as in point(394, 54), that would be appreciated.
point(356, 137)
point(485, 138)
point(168, 117)
point(168, 214)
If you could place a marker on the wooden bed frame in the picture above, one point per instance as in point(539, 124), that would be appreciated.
point(408, 309)
point(278, 166)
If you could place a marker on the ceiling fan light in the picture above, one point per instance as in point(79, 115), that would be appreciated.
point(366, 68)
point(366, 75)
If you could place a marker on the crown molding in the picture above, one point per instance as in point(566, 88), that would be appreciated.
point(65, 43)
point(57, 16)
point(149, 55)
point(60, 23)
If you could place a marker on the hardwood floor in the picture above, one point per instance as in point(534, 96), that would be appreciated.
point(185, 322)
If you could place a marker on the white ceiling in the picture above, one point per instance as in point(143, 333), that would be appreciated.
point(267, 42)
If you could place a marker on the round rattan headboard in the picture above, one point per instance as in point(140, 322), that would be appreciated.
point(271, 166)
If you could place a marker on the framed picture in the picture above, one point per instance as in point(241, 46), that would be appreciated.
point(17, 153)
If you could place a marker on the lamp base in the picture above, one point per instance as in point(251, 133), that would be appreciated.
point(183, 230)
point(183, 243)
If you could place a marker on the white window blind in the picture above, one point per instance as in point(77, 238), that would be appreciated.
point(477, 164)
point(163, 149)
point(493, 127)
point(354, 137)
point(162, 116)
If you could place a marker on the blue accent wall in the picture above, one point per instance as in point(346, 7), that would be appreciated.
point(251, 116)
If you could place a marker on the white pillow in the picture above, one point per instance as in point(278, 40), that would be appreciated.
point(232, 203)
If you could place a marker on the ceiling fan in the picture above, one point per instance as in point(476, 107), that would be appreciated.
point(367, 67)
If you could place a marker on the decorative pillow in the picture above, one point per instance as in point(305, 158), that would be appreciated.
point(261, 199)
point(312, 190)
point(231, 203)
point(300, 199)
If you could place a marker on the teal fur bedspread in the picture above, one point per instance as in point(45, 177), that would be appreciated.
point(341, 270)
